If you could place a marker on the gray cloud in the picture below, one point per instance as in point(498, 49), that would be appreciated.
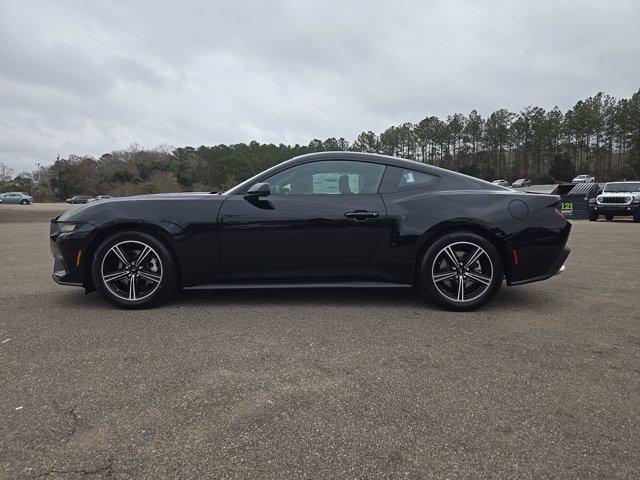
point(89, 77)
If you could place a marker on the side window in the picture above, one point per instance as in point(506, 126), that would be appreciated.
point(334, 177)
point(411, 177)
point(397, 179)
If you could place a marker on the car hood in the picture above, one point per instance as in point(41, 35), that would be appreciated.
point(153, 207)
point(617, 194)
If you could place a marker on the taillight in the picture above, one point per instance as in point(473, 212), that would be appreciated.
point(558, 210)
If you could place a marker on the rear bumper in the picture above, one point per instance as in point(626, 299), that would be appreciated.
point(557, 267)
point(539, 250)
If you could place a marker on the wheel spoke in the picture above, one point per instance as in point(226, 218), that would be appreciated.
point(474, 257)
point(120, 254)
point(479, 278)
point(142, 255)
point(460, 297)
point(452, 255)
point(132, 288)
point(110, 277)
point(150, 276)
point(443, 276)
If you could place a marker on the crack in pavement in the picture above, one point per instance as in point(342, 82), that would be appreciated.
point(108, 469)
point(69, 412)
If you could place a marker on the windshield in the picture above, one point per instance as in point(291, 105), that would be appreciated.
point(622, 187)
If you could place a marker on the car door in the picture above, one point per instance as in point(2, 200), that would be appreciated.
point(322, 220)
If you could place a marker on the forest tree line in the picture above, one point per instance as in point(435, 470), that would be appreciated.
point(599, 135)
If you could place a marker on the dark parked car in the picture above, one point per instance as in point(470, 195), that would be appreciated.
point(332, 219)
point(80, 199)
point(522, 182)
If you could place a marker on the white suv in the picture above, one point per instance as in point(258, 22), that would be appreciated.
point(616, 199)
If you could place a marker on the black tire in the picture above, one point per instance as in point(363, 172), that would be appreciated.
point(593, 216)
point(157, 264)
point(464, 245)
point(608, 217)
point(24, 202)
point(636, 216)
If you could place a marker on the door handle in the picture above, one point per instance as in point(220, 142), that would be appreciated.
point(361, 215)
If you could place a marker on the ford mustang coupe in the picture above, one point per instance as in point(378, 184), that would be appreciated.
point(331, 219)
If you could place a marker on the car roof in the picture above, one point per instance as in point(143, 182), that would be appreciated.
point(373, 158)
point(358, 157)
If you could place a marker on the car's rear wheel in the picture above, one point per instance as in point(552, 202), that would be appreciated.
point(133, 270)
point(593, 216)
point(460, 271)
point(608, 217)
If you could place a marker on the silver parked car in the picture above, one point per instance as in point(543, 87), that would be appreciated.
point(16, 197)
point(99, 197)
point(584, 179)
point(502, 183)
point(522, 182)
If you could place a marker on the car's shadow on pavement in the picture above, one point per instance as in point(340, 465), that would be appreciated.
point(302, 296)
point(400, 298)
point(347, 297)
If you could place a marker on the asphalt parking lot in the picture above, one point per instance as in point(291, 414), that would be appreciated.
point(542, 383)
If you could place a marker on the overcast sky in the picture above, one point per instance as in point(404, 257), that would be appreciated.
point(88, 77)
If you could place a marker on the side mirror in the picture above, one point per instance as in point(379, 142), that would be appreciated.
point(259, 190)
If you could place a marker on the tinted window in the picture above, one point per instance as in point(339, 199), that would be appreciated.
point(411, 177)
point(397, 179)
point(336, 177)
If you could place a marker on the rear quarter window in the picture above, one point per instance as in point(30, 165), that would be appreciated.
point(398, 179)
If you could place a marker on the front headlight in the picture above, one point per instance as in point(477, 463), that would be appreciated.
point(67, 227)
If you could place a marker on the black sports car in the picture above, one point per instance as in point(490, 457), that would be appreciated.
point(332, 219)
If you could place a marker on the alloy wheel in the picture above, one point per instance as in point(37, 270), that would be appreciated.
point(462, 271)
point(131, 270)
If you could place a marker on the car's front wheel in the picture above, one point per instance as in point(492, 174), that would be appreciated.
point(24, 202)
point(460, 271)
point(593, 216)
point(133, 270)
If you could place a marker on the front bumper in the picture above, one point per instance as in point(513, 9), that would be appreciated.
point(620, 210)
point(69, 254)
